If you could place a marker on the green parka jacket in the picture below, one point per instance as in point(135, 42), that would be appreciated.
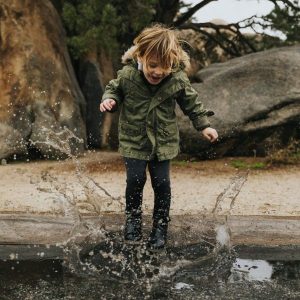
point(147, 123)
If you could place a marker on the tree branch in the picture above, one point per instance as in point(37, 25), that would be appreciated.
point(212, 37)
point(290, 4)
point(275, 2)
point(166, 11)
point(183, 18)
point(220, 38)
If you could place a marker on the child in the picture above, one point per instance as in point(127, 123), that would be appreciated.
point(148, 87)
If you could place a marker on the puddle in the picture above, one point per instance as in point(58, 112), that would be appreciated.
point(31, 279)
point(251, 270)
point(113, 270)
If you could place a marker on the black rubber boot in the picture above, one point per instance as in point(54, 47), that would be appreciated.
point(133, 228)
point(158, 235)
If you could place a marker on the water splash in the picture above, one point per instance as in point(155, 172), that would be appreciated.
point(81, 196)
point(226, 200)
point(60, 140)
point(223, 236)
point(92, 251)
point(223, 207)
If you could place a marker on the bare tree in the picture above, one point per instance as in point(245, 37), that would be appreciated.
point(228, 36)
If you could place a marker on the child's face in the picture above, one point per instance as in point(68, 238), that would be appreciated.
point(153, 71)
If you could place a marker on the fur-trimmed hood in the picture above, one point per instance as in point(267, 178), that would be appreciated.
point(127, 57)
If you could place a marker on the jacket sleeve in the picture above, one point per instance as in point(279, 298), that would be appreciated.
point(114, 90)
point(191, 106)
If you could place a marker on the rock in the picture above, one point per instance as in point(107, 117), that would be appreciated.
point(256, 100)
point(91, 86)
point(95, 71)
point(41, 105)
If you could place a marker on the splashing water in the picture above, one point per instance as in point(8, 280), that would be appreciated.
point(83, 194)
point(110, 255)
point(223, 236)
point(58, 140)
point(98, 262)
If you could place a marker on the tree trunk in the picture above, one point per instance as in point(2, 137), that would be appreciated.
point(166, 11)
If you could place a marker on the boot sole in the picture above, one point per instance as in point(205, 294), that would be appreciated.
point(156, 249)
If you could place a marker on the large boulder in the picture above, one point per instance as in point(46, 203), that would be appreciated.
point(41, 105)
point(256, 100)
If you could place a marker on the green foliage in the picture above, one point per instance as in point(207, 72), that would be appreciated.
point(90, 24)
point(290, 155)
point(106, 25)
point(286, 19)
point(111, 25)
point(240, 164)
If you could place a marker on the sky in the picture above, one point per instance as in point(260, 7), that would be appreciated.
point(232, 10)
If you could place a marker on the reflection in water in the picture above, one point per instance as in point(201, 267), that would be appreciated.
point(193, 272)
point(248, 269)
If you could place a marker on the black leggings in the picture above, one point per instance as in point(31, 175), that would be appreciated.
point(160, 180)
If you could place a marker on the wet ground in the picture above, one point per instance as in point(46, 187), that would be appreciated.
point(234, 234)
point(113, 270)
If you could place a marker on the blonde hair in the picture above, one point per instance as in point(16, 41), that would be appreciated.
point(162, 43)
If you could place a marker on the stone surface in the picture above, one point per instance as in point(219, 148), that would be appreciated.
point(256, 100)
point(40, 101)
point(91, 86)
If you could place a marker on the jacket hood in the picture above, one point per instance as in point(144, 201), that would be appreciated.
point(127, 57)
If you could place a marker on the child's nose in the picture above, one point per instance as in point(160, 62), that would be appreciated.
point(158, 72)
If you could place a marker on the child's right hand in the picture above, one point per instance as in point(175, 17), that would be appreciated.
point(210, 134)
point(107, 104)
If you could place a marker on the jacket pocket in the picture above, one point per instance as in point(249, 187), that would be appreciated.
point(130, 130)
point(169, 130)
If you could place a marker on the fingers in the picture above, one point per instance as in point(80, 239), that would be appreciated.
point(212, 135)
point(107, 105)
point(213, 138)
point(102, 109)
point(209, 137)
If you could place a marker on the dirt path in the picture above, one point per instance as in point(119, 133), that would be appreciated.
point(61, 192)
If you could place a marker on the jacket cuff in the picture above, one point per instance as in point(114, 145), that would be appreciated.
point(110, 96)
point(201, 123)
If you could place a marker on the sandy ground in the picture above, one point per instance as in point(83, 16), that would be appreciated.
point(59, 192)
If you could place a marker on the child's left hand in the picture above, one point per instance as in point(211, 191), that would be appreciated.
point(210, 134)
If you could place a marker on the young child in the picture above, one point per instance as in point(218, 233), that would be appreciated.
point(148, 87)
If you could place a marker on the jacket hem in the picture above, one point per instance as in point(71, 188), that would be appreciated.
point(147, 156)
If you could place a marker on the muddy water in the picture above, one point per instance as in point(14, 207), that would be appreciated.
point(112, 270)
